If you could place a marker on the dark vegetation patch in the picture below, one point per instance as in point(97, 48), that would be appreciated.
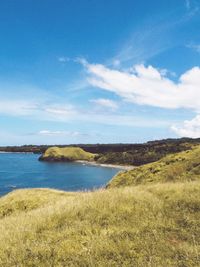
point(179, 167)
point(124, 154)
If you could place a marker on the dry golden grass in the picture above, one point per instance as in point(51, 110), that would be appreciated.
point(179, 167)
point(67, 153)
point(154, 225)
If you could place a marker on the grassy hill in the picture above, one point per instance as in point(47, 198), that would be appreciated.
point(66, 154)
point(183, 166)
point(140, 154)
point(154, 225)
point(152, 222)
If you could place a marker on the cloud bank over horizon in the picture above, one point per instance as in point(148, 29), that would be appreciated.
point(146, 85)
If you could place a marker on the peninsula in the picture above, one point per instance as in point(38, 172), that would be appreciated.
point(66, 154)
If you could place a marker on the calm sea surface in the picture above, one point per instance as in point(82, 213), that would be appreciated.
point(25, 171)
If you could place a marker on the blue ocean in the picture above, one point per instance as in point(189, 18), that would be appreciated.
point(20, 170)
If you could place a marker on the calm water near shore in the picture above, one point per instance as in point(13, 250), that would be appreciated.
point(18, 170)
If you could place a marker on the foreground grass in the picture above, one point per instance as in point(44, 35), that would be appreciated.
point(152, 225)
point(179, 167)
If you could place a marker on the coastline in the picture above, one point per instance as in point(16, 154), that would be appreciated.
point(122, 167)
point(10, 152)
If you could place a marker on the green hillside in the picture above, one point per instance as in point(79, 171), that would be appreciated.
point(66, 154)
point(183, 166)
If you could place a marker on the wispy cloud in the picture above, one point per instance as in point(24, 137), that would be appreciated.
point(17, 107)
point(61, 133)
point(39, 110)
point(63, 59)
point(59, 111)
point(69, 113)
point(187, 4)
point(192, 6)
point(105, 103)
point(152, 37)
point(123, 120)
point(195, 47)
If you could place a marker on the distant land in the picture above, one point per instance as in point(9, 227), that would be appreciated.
point(122, 154)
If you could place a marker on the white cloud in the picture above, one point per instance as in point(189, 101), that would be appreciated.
point(59, 133)
point(106, 103)
point(148, 86)
point(188, 128)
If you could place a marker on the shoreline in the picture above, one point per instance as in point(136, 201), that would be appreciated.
point(92, 163)
point(122, 167)
point(12, 152)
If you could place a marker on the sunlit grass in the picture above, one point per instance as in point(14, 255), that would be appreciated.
point(183, 166)
point(67, 153)
point(154, 221)
point(157, 225)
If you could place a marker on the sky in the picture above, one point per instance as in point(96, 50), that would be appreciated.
point(99, 71)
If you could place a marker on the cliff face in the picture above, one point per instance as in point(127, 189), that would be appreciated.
point(66, 154)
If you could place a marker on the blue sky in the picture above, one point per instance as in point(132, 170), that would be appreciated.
point(96, 71)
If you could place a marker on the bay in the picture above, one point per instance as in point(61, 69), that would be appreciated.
point(21, 170)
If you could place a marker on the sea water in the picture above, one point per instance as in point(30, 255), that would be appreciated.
point(23, 170)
